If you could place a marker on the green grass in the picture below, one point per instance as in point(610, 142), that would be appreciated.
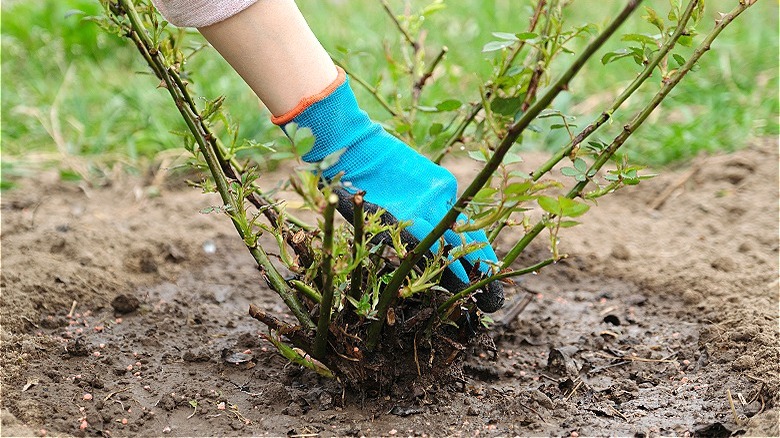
point(72, 97)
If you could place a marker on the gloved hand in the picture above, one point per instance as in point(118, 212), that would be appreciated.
point(394, 177)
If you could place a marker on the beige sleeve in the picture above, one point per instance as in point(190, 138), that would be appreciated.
point(199, 13)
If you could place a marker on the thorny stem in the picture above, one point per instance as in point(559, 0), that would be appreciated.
point(414, 44)
point(516, 51)
point(539, 66)
point(635, 122)
point(418, 86)
point(356, 282)
point(232, 167)
point(326, 305)
point(497, 230)
point(390, 292)
point(477, 107)
point(485, 281)
point(137, 33)
point(632, 87)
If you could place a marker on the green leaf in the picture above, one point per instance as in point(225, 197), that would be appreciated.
point(512, 158)
point(597, 145)
point(449, 105)
point(515, 70)
point(580, 165)
point(572, 208)
point(73, 12)
point(640, 38)
point(478, 155)
point(304, 141)
point(330, 159)
point(615, 55)
point(562, 206)
point(574, 173)
point(496, 45)
point(403, 128)
point(678, 59)
point(534, 128)
point(685, 41)
point(525, 36)
point(485, 193)
point(549, 204)
point(435, 129)
point(506, 106)
point(518, 187)
point(653, 18)
point(506, 36)
point(568, 224)
point(433, 8)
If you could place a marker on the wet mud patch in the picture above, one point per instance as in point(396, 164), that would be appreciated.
point(643, 331)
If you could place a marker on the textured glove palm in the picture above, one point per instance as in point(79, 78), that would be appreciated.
point(396, 179)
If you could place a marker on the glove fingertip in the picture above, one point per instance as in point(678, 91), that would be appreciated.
point(492, 298)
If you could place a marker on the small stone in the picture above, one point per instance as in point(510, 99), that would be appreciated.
point(166, 429)
point(87, 396)
point(472, 411)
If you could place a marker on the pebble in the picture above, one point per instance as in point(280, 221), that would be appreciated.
point(87, 396)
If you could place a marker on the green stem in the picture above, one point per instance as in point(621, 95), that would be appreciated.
point(667, 87)
point(356, 282)
point(532, 25)
point(414, 45)
point(618, 102)
point(306, 290)
point(420, 83)
point(485, 281)
point(476, 107)
point(458, 134)
point(390, 292)
point(635, 122)
point(323, 323)
point(137, 33)
point(497, 230)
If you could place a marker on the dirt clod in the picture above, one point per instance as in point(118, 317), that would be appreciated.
point(123, 303)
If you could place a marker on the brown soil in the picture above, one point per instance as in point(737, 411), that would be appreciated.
point(125, 313)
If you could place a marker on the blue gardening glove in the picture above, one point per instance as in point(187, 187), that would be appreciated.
point(394, 177)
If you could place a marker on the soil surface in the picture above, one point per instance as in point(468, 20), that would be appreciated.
point(124, 312)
